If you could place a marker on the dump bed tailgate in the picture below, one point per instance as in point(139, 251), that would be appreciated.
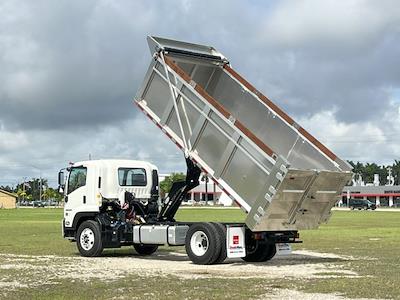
point(282, 176)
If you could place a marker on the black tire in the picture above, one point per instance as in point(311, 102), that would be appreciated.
point(221, 228)
point(208, 247)
point(259, 251)
point(270, 252)
point(145, 249)
point(88, 239)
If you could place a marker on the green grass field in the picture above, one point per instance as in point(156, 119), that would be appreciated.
point(373, 238)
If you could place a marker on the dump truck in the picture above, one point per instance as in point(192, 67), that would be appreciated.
point(282, 177)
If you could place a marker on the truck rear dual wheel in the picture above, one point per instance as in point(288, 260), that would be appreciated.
point(88, 239)
point(259, 251)
point(204, 243)
point(222, 233)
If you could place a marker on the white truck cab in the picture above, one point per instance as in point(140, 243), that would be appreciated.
point(89, 182)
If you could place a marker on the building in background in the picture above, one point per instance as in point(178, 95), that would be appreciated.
point(208, 192)
point(382, 195)
point(7, 200)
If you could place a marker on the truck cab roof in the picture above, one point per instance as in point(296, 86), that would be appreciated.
point(115, 163)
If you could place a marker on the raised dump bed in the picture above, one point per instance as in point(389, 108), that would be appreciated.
point(282, 176)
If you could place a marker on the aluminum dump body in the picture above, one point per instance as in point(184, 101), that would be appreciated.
point(282, 176)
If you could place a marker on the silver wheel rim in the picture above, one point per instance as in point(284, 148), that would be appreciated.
point(87, 239)
point(199, 243)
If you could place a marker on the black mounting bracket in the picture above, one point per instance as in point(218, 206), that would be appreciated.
point(178, 192)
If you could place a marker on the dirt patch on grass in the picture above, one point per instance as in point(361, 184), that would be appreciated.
point(11, 285)
point(291, 294)
point(299, 265)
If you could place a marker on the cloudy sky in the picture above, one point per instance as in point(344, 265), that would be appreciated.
point(69, 71)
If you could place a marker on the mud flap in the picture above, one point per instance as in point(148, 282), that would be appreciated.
point(283, 249)
point(235, 241)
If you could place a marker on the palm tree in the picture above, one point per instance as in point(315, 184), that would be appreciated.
point(47, 194)
point(21, 194)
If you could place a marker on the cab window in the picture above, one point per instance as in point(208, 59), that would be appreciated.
point(77, 178)
point(132, 177)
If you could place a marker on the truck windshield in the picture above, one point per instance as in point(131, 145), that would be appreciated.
point(76, 179)
point(132, 177)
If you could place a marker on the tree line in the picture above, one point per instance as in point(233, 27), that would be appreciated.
point(34, 189)
point(368, 170)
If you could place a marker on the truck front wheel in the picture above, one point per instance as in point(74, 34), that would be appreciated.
point(145, 249)
point(88, 239)
point(259, 251)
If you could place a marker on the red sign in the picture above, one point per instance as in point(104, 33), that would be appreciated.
point(235, 239)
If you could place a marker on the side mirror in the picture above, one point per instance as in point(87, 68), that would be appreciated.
point(129, 196)
point(61, 181)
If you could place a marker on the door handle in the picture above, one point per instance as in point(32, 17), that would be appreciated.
point(84, 199)
point(66, 199)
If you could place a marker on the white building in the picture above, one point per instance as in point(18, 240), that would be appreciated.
point(204, 193)
point(208, 192)
point(381, 195)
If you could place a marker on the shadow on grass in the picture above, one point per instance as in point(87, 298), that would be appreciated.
point(167, 255)
point(293, 260)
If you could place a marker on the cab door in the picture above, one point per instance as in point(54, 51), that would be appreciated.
point(76, 193)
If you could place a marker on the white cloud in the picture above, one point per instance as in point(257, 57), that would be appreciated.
point(326, 23)
point(11, 141)
point(137, 138)
point(361, 141)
